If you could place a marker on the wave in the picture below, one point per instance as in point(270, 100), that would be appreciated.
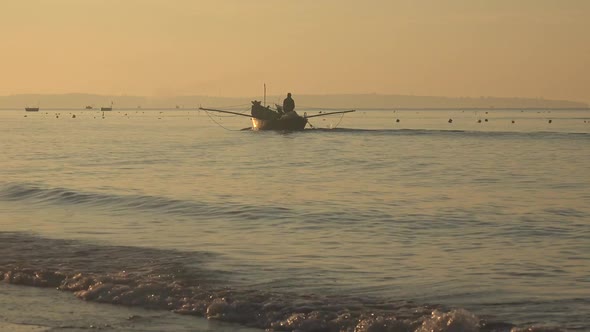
point(227, 210)
point(308, 218)
point(114, 202)
point(175, 280)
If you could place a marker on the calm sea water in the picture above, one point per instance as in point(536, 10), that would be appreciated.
point(362, 224)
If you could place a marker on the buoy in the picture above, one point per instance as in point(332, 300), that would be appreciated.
point(486, 120)
point(397, 120)
point(450, 120)
point(512, 121)
point(550, 121)
point(73, 116)
point(479, 121)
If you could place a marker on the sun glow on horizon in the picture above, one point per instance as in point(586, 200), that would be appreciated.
point(230, 48)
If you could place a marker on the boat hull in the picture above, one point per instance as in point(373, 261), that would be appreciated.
point(32, 109)
point(288, 124)
point(106, 109)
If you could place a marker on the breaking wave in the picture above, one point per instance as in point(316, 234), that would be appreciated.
point(177, 281)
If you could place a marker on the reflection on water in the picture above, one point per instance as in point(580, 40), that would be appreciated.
point(488, 216)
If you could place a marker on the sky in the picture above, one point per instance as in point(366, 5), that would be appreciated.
point(455, 48)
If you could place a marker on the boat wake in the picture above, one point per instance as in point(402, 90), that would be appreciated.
point(436, 132)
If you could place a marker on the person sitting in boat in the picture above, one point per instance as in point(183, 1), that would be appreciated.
point(288, 104)
point(288, 109)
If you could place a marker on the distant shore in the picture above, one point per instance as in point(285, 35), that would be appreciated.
point(302, 101)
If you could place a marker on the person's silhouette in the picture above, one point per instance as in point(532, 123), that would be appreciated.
point(288, 104)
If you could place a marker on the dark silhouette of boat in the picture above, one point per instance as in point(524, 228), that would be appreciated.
point(88, 107)
point(107, 108)
point(32, 109)
point(265, 118)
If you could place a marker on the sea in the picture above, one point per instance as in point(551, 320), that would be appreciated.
point(372, 221)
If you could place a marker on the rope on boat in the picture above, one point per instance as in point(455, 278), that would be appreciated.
point(219, 124)
point(341, 117)
point(334, 127)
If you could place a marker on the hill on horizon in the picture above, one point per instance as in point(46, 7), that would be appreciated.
point(346, 101)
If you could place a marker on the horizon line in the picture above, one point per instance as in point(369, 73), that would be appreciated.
point(302, 94)
point(190, 108)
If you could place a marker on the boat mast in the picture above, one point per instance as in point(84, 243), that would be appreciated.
point(264, 94)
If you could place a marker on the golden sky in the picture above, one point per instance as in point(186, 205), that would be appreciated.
point(503, 48)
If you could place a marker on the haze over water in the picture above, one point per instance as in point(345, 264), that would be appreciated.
point(153, 217)
point(425, 221)
point(527, 48)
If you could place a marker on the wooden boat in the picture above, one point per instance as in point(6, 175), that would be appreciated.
point(265, 118)
point(32, 109)
point(294, 123)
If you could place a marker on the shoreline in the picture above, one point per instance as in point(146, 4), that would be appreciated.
point(33, 309)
